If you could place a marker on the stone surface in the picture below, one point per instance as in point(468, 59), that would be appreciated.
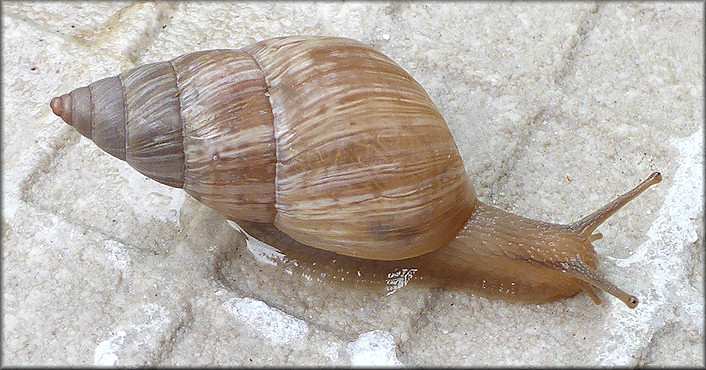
point(556, 109)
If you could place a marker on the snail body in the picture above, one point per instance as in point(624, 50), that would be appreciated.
point(329, 144)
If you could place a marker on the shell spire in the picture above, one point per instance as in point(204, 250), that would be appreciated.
point(102, 112)
point(97, 111)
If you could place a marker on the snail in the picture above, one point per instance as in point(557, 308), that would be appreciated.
point(330, 144)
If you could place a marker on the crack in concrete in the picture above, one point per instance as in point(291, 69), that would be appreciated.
point(45, 161)
point(567, 67)
point(175, 336)
point(84, 229)
point(230, 284)
point(577, 41)
point(515, 154)
point(233, 287)
point(418, 325)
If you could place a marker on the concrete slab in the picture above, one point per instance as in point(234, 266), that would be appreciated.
point(556, 109)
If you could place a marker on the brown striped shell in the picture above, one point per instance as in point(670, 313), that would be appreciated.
point(325, 137)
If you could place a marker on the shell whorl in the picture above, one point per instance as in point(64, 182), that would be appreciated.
point(325, 137)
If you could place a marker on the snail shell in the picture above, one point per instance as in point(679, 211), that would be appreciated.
point(339, 148)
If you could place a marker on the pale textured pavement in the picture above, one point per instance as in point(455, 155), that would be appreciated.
point(556, 109)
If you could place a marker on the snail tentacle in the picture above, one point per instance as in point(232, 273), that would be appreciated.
point(587, 274)
point(590, 223)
